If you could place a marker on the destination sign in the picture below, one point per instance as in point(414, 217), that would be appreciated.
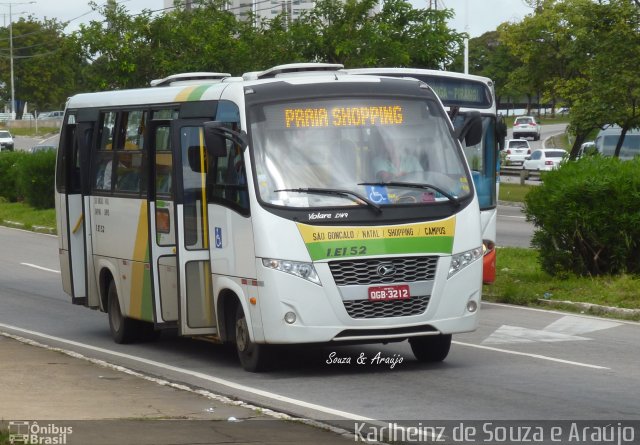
point(460, 92)
point(308, 117)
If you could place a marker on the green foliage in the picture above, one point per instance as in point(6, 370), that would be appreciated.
point(586, 217)
point(520, 280)
point(36, 177)
point(9, 161)
point(46, 66)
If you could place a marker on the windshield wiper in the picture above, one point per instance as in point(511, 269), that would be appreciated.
point(336, 192)
point(416, 185)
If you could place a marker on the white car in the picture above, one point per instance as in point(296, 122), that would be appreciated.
point(6, 141)
point(545, 159)
point(526, 126)
point(516, 150)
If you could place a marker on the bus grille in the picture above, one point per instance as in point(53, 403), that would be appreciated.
point(405, 270)
point(385, 309)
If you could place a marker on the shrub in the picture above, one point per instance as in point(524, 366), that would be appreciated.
point(36, 173)
point(587, 217)
point(9, 161)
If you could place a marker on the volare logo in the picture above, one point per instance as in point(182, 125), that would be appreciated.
point(319, 215)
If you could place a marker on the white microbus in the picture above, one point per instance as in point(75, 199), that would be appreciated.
point(460, 94)
point(279, 208)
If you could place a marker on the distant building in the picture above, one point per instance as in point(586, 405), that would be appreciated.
point(263, 9)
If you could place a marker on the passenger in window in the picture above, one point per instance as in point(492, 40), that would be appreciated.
point(393, 161)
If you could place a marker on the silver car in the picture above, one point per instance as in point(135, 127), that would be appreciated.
point(526, 126)
point(516, 150)
point(6, 141)
point(545, 159)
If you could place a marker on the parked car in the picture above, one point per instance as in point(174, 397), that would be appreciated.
point(516, 150)
point(607, 140)
point(544, 159)
point(51, 115)
point(6, 141)
point(526, 126)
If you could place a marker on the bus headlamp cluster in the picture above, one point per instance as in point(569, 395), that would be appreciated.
point(299, 269)
point(462, 260)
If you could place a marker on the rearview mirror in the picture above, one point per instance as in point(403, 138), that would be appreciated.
point(471, 131)
point(216, 135)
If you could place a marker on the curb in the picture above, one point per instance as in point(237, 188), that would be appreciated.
point(594, 308)
point(19, 225)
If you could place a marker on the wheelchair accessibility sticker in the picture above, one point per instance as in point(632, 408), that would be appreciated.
point(218, 235)
point(377, 194)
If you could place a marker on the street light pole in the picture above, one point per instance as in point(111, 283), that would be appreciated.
point(13, 90)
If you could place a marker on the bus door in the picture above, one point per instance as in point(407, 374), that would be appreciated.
point(162, 223)
point(196, 305)
point(77, 143)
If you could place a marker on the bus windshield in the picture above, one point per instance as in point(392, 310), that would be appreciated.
point(355, 151)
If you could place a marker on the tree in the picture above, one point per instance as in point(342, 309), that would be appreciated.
point(118, 51)
point(45, 64)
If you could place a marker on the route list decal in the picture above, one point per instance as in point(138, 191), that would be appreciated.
point(336, 242)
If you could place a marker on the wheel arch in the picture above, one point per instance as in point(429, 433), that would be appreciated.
point(227, 304)
point(106, 275)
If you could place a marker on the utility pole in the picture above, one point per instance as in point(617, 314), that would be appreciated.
point(13, 90)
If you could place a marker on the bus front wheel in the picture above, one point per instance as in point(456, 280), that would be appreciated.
point(431, 348)
point(253, 357)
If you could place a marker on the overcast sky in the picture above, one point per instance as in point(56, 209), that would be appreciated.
point(483, 15)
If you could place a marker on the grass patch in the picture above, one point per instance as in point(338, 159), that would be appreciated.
point(560, 141)
point(513, 192)
point(31, 131)
point(520, 280)
point(30, 217)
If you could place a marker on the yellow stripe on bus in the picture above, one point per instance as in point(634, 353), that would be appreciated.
point(317, 234)
point(138, 263)
point(183, 96)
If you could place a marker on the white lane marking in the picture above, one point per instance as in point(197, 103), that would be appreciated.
point(506, 334)
point(510, 216)
point(571, 325)
point(40, 267)
point(199, 375)
point(538, 356)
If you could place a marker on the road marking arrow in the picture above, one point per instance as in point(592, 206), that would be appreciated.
point(515, 334)
point(564, 329)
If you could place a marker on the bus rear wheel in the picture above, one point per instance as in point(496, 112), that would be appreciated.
point(253, 357)
point(123, 329)
point(431, 348)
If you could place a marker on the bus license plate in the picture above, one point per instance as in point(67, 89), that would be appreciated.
point(386, 293)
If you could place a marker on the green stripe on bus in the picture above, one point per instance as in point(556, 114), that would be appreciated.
point(197, 93)
point(353, 248)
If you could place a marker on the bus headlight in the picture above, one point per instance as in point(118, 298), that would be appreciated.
point(299, 269)
point(462, 260)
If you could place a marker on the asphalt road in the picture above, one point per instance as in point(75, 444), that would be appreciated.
point(513, 230)
point(520, 363)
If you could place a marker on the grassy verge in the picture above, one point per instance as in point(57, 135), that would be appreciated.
point(513, 192)
point(520, 280)
point(31, 131)
point(17, 212)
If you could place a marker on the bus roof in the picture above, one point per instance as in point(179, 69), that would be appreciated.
point(424, 71)
point(205, 90)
